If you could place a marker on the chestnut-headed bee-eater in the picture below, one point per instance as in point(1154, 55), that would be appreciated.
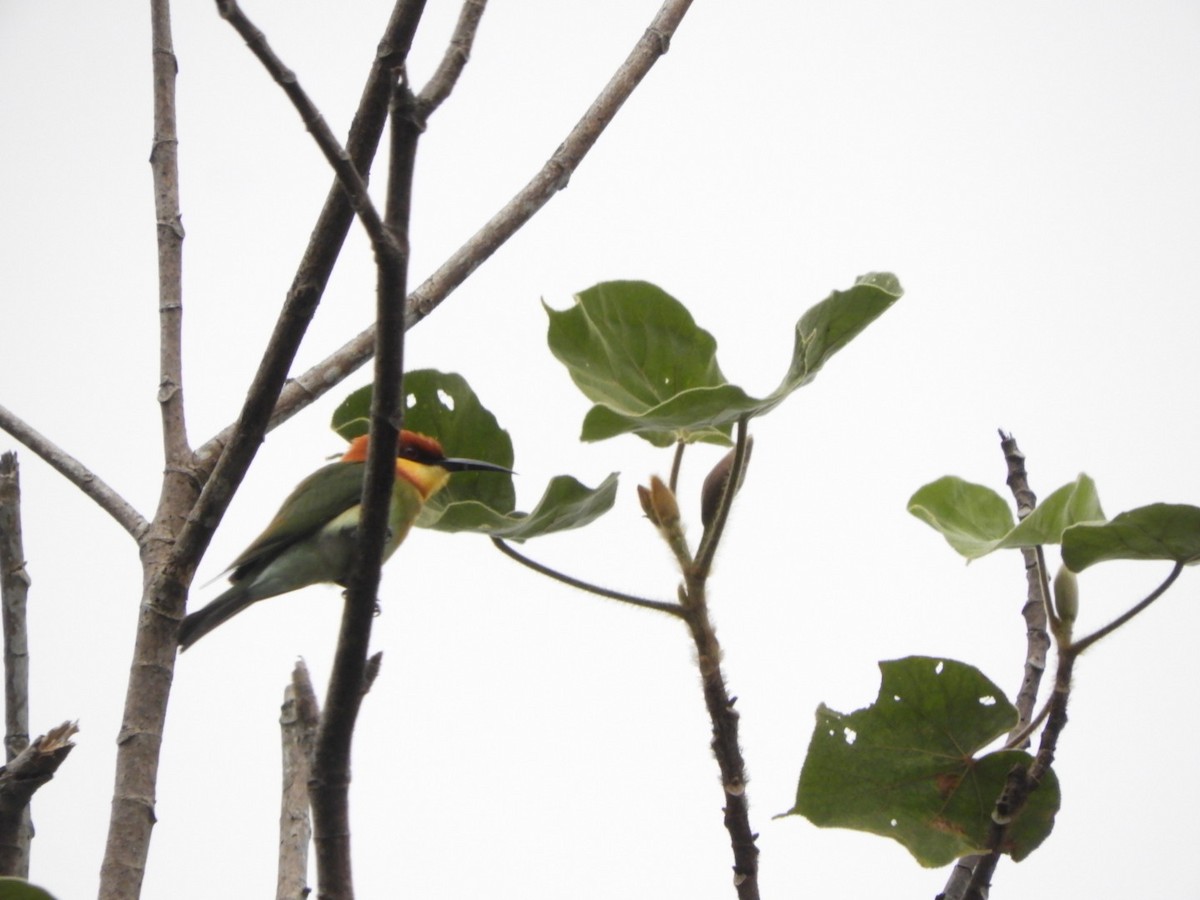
point(311, 539)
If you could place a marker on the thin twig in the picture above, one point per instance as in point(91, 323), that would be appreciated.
point(454, 60)
point(673, 609)
point(76, 473)
point(14, 592)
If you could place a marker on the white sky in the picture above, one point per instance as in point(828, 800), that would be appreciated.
point(1029, 172)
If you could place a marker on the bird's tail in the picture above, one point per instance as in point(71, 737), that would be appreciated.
point(204, 620)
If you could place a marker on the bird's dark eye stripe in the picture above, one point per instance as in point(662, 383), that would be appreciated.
point(419, 448)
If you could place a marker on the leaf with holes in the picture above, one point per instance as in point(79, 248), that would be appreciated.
point(905, 767)
point(442, 405)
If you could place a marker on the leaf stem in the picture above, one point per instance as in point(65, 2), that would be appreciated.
point(712, 535)
point(1082, 644)
point(676, 465)
point(672, 609)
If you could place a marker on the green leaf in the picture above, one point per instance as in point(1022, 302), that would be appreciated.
point(20, 889)
point(1163, 531)
point(905, 768)
point(638, 355)
point(834, 322)
point(976, 521)
point(443, 405)
point(1069, 505)
point(972, 518)
point(566, 504)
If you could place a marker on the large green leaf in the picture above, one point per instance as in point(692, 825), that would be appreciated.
point(444, 406)
point(976, 521)
point(1165, 531)
point(905, 767)
point(638, 355)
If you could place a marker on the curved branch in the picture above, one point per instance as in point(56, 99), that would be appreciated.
point(453, 61)
point(76, 473)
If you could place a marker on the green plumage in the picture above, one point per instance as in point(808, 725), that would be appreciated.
point(309, 541)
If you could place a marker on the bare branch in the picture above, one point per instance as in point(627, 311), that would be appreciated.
point(76, 473)
point(552, 178)
point(14, 591)
point(348, 679)
point(453, 62)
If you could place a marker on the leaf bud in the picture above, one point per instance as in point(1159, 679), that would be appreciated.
point(714, 484)
point(1066, 596)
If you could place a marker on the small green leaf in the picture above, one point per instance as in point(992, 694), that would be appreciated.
point(1164, 531)
point(20, 889)
point(905, 767)
point(566, 504)
point(638, 355)
point(1069, 505)
point(442, 405)
point(976, 521)
point(972, 518)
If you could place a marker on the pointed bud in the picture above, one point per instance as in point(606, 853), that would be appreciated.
point(647, 505)
point(714, 484)
point(664, 504)
point(1066, 596)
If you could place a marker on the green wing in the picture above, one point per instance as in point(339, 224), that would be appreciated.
point(319, 498)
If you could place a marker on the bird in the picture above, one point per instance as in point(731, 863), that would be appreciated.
point(311, 539)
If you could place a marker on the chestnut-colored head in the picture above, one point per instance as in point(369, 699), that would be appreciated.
point(421, 461)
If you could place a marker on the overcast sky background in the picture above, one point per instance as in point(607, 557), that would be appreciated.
point(1027, 170)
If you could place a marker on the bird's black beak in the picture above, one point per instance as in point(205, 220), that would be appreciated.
point(472, 465)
